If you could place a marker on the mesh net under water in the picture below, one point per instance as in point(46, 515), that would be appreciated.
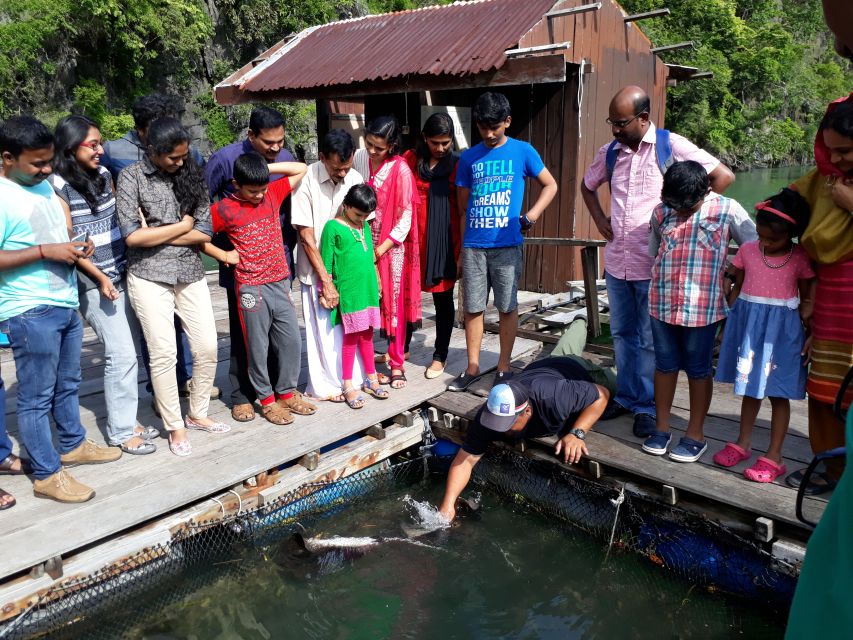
point(114, 602)
point(706, 553)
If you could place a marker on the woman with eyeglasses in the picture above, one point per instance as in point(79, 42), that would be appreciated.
point(85, 189)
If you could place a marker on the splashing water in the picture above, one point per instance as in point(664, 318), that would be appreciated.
point(425, 518)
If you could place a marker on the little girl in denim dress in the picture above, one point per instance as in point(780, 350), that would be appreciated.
point(771, 301)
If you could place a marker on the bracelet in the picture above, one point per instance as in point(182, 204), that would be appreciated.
point(41, 252)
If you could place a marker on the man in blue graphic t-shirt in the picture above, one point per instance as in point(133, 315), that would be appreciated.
point(490, 180)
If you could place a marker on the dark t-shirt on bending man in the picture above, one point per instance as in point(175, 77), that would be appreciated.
point(559, 389)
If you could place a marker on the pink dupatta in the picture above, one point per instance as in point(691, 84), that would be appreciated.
point(398, 193)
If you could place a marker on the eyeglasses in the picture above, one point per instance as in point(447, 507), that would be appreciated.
point(621, 124)
point(92, 145)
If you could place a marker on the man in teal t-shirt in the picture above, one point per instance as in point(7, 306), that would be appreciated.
point(38, 309)
point(490, 180)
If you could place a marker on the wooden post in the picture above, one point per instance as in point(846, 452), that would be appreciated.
point(376, 431)
point(310, 460)
point(589, 263)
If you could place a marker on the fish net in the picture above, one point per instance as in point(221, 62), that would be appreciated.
point(114, 601)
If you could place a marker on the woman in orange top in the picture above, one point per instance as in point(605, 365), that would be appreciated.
point(434, 166)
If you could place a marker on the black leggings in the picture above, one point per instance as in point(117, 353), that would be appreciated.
point(445, 314)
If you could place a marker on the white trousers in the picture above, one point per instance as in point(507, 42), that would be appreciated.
point(324, 346)
point(155, 304)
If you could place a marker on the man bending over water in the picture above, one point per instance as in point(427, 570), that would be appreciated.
point(551, 397)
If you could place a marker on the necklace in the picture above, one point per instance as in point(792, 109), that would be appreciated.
point(776, 266)
point(359, 237)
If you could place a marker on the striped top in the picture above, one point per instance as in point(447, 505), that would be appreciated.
point(101, 224)
point(689, 258)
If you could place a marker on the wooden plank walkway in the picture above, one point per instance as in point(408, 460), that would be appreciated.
point(613, 445)
point(137, 489)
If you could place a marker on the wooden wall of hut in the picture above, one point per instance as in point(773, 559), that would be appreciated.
point(565, 122)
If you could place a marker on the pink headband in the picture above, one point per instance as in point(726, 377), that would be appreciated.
point(765, 206)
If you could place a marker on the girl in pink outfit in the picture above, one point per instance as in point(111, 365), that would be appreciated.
point(761, 354)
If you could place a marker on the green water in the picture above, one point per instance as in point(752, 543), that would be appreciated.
point(508, 574)
point(753, 186)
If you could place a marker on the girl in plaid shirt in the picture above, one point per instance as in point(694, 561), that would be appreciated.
point(690, 233)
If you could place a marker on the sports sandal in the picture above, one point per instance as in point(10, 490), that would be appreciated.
point(731, 454)
point(298, 404)
point(243, 412)
point(765, 470)
point(398, 377)
point(354, 403)
point(276, 413)
point(373, 388)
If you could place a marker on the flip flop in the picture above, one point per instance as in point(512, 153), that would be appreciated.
point(765, 470)
point(731, 454)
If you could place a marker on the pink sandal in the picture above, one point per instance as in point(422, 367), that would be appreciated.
point(765, 470)
point(731, 454)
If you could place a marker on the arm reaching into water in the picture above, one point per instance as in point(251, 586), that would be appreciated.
point(457, 479)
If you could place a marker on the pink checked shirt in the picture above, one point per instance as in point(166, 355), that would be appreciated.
point(635, 191)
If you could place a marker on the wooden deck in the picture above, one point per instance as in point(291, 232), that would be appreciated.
point(613, 446)
point(137, 489)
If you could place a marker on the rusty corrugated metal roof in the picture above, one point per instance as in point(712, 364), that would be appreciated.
point(458, 39)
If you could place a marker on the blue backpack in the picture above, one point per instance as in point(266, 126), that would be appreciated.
point(663, 152)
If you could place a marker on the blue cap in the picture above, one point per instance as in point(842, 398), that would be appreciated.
point(504, 404)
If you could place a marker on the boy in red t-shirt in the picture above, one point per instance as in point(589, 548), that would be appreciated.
point(250, 219)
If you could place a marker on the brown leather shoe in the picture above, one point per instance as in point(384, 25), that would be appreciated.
point(298, 404)
point(90, 453)
point(63, 488)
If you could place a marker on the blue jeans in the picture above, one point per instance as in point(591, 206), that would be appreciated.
point(5, 442)
point(184, 364)
point(46, 342)
point(118, 330)
point(633, 343)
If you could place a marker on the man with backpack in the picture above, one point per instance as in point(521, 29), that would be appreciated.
point(633, 165)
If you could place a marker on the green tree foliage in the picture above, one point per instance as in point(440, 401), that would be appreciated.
point(774, 72)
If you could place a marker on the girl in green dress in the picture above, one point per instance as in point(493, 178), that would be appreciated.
point(347, 251)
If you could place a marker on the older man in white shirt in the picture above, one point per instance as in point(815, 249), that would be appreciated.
point(316, 202)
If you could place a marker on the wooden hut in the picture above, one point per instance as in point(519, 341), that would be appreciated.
point(558, 62)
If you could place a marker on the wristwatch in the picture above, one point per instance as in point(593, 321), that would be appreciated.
point(580, 434)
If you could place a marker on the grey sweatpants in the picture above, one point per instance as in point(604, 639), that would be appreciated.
point(268, 318)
